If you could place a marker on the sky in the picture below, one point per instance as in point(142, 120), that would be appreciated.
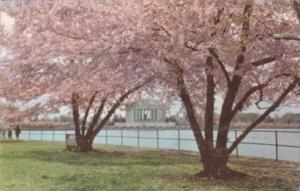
point(174, 108)
point(252, 109)
point(6, 20)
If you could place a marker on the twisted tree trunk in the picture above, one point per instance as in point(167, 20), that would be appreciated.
point(84, 144)
point(215, 165)
point(86, 133)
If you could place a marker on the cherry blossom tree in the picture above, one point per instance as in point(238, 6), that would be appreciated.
point(197, 50)
point(229, 49)
point(75, 51)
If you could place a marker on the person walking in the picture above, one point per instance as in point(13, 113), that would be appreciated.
point(18, 131)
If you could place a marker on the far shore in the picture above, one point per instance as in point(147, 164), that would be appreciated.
point(183, 127)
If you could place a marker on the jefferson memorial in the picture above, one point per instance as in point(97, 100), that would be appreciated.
point(146, 113)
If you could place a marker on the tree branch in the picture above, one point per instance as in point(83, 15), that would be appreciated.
point(76, 115)
point(261, 96)
point(191, 47)
point(264, 115)
point(245, 32)
point(87, 112)
point(234, 85)
point(264, 61)
point(240, 103)
point(186, 99)
point(209, 109)
point(287, 37)
point(165, 30)
point(96, 117)
point(216, 56)
point(252, 90)
point(162, 28)
point(117, 104)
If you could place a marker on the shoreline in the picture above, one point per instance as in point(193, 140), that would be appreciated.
point(165, 128)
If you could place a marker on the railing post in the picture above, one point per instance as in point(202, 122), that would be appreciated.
point(41, 135)
point(122, 136)
point(53, 135)
point(106, 136)
point(157, 139)
point(138, 136)
point(178, 140)
point(237, 147)
point(276, 144)
point(29, 134)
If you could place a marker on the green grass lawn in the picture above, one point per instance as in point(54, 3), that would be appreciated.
point(37, 166)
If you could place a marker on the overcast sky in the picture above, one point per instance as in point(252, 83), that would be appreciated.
point(176, 106)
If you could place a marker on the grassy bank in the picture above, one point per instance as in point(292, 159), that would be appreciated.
point(36, 166)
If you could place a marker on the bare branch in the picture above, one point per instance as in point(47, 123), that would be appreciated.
point(76, 115)
point(224, 121)
point(189, 46)
point(160, 27)
point(216, 56)
point(96, 116)
point(246, 96)
point(176, 67)
point(287, 37)
point(261, 96)
point(87, 112)
point(210, 101)
point(264, 115)
point(186, 99)
point(165, 30)
point(253, 89)
point(118, 103)
point(191, 112)
point(264, 61)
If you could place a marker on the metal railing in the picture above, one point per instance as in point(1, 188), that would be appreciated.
point(59, 135)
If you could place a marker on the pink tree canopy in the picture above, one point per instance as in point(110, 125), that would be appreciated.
point(76, 53)
point(62, 47)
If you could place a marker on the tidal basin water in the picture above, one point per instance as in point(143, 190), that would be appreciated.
point(283, 144)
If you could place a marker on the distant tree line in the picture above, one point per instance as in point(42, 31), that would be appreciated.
point(288, 118)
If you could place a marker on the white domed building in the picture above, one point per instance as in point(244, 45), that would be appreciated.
point(146, 113)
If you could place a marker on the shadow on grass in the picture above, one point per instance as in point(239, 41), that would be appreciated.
point(83, 181)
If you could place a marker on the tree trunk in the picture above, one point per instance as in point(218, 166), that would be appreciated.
point(297, 8)
point(214, 163)
point(84, 144)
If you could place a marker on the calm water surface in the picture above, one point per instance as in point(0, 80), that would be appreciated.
point(183, 139)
